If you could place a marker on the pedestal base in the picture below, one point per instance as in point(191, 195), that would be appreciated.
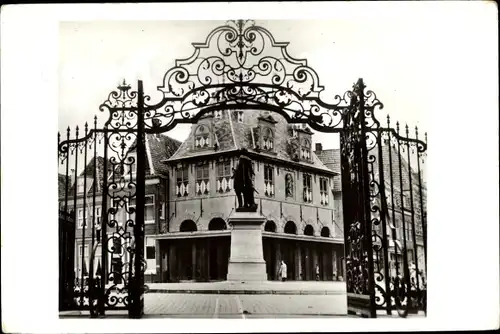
point(247, 271)
point(247, 258)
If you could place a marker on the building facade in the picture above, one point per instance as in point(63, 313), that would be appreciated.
point(189, 197)
point(294, 191)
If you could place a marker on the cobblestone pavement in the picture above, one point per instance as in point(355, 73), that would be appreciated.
point(243, 306)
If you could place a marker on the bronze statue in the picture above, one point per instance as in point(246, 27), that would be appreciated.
point(243, 184)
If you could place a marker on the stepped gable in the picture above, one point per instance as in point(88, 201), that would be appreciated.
point(231, 135)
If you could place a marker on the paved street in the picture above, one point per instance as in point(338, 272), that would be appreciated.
point(266, 287)
point(243, 306)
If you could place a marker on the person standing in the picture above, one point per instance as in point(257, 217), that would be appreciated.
point(317, 272)
point(282, 271)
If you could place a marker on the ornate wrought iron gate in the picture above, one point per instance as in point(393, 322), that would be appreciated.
point(383, 197)
point(107, 203)
point(379, 193)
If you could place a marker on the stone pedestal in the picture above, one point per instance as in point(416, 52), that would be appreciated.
point(247, 259)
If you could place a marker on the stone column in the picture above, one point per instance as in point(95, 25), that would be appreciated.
point(158, 262)
point(307, 271)
point(277, 263)
point(172, 263)
point(299, 258)
point(247, 259)
point(334, 265)
point(193, 259)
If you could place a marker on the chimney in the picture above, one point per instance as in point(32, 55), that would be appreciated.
point(319, 147)
point(72, 177)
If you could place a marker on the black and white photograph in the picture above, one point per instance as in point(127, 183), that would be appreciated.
point(243, 168)
point(246, 202)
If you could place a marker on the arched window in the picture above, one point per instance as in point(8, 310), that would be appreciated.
point(217, 224)
point(202, 137)
point(309, 230)
point(325, 232)
point(305, 149)
point(188, 226)
point(290, 228)
point(268, 140)
point(270, 226)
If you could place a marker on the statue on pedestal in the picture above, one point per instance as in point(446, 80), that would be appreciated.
point(243, 184)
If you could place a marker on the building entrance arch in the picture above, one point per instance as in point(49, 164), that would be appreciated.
point(240, 66)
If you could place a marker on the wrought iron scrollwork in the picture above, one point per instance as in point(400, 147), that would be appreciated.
point(241, 66)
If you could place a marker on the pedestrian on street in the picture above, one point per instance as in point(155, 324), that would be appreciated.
point(317, 272)
point(282, 271)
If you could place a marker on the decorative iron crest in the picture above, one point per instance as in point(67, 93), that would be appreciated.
point(241, 66)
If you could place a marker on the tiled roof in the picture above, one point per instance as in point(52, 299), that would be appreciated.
point(232, 135)
point(160, 147)
point(331, 159)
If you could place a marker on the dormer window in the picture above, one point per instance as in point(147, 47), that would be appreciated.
point(305, 149)
point(268, 140)
point(265, 139)
point(202, 137)
point(240, 116)
point(218, 114)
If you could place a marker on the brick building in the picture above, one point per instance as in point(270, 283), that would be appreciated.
point(399, 203)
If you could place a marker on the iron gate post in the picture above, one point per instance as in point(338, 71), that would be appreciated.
point(104, 223)
point(136, 309)
point(360, 86)
point(383, 221)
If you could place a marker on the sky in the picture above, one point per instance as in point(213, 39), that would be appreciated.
point(392, 56)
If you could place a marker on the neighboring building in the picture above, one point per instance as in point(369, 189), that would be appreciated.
point(331, 159)
point(156, 205)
